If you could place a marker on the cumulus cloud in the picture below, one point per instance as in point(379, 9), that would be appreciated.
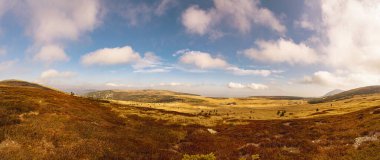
point(150, 60)
point(282, 51)
point(257, 86)
point(54, 22)
point(352, 36)
point(52, 74)
point(149, 63)
point(254, 86)
point(204, 61)
point(236, 85)
point(309, 20)
point(304, 23)
point(341, 78)
point(352, 42)
point(111, 56)
point(196, 20)
point(348, 42)
point(238, 14)
point(51, 53)
point(323, 78)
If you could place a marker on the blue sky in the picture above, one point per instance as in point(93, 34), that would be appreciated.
point(209, 47)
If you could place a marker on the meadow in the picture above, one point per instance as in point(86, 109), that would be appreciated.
point(210, 111)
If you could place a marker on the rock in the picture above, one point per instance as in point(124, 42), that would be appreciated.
point(360, 140)
point(212, 131)
point(9, 144)
point(291, 149)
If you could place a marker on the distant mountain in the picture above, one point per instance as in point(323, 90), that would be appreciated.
point(348, 94)
point(333, 92)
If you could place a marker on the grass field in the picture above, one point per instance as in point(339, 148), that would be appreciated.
point(211, 111)
point(41, 123)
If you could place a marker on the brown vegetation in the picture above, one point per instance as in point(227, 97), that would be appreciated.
point(37, 123)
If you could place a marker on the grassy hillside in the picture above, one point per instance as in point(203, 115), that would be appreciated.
point(38, 123)
point(150, 96)
point(333, 92)
point(348, 94)
point(18, 83)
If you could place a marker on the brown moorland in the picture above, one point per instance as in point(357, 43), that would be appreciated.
point(40, 123)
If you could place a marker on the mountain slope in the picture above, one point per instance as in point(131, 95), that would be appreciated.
point(348, 94)
point(39, 123)
point(19, 83)
point(333, 92)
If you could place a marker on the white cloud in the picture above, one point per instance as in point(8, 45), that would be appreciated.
point(305, 23)
point(242, 72)
point(257, 86)
point(112, 84)
point(149, 63)
point(111, 56)
point(309, 20)
point(53, 20)
point(348, 42)
point(52, 73)
point(50, 22)
point(119, 85)
point(202, 60)
point(254, 86)
point(341, 78)
point(322, 78)
point(150, 60)
point(238, 14)
point(236, 85)
point(196, 20)
point(153, 70)
point(281, 51)
point(51, 53)
point(174, 84)
point(353, 39)
point(180, 52)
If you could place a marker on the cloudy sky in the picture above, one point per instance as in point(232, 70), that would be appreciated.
point(207, 47)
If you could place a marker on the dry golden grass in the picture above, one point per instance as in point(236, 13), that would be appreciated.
point(214, 111)
point(39, 123)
